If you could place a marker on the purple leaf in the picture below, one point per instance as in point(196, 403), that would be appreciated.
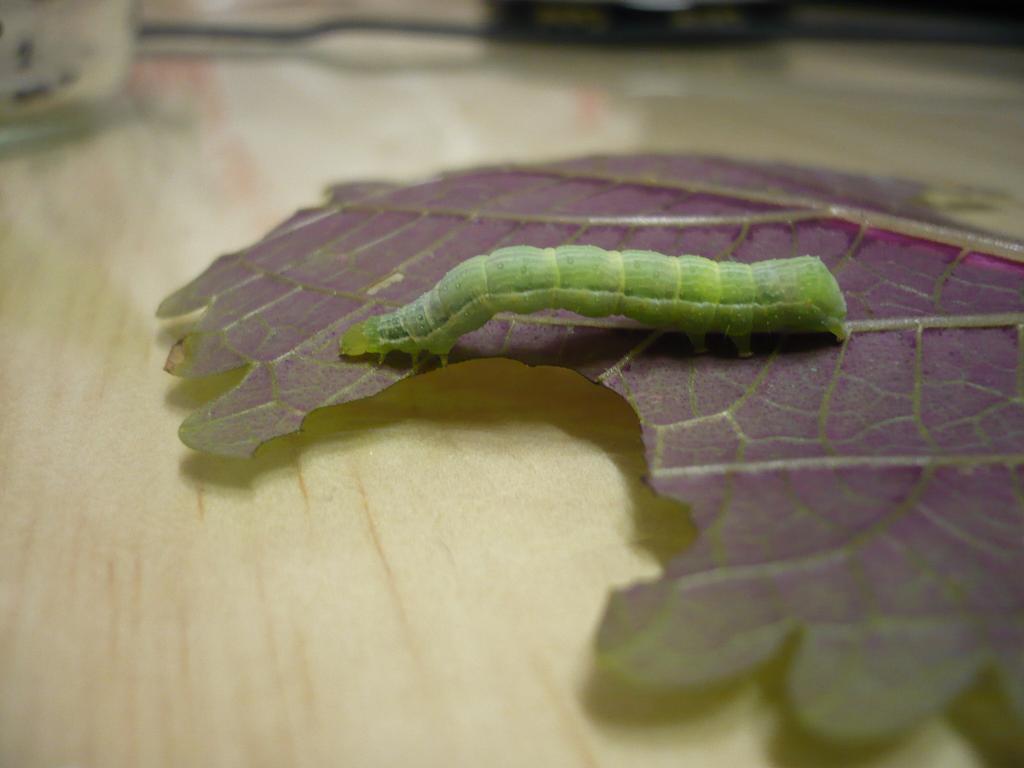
point(866, 498)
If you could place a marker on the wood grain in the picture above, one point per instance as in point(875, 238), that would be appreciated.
point(417, 580)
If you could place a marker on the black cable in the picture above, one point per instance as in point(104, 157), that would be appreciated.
point(515, 27)
point(304, 32)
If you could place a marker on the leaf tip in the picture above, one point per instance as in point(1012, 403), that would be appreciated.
point(163, 310)
point(176, 358)
point(171, 306)
point(194, 432)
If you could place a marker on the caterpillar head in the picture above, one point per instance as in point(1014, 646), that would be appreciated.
point(828, 301)
point(833, 306)
point(355, 342)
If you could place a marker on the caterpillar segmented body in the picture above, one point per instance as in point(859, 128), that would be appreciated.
point(690, 294)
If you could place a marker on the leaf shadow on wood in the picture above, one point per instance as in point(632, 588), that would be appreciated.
point(480, 394)
point(610, 699)
point(984, 715)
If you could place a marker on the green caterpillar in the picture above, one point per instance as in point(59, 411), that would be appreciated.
point(684, 293)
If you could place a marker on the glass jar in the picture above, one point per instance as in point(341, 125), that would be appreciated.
point(60, 59)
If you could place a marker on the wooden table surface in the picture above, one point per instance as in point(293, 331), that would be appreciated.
point(418, 580)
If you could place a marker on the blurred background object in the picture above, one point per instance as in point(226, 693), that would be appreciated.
point(985, 22)
point(59, 59)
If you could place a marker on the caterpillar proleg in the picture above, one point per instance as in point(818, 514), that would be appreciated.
point(690, 294)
